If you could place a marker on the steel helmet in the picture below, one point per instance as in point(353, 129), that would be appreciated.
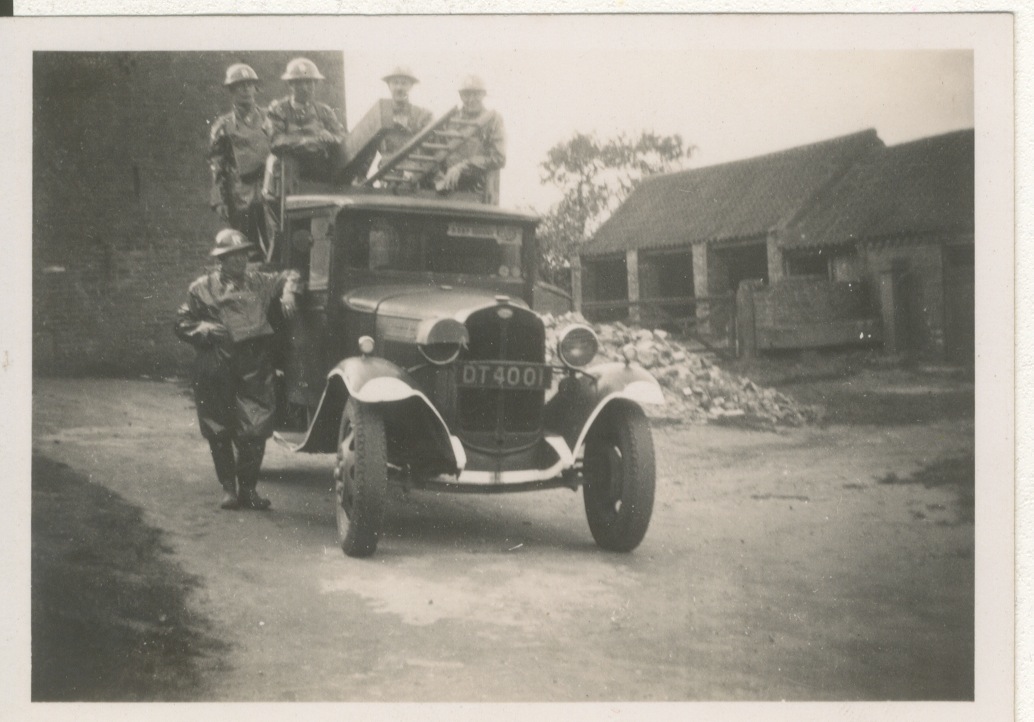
point(302, 69)
point(240, 73)
point(229, 240)
point(473, 82)
point(401, 71)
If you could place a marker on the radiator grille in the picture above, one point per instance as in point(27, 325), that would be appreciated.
point(521, 337)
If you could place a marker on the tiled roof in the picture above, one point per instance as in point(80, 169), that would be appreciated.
point(924, 186)
point(732, 200)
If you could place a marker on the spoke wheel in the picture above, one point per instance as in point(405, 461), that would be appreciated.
point(360, 479)
point(619, 477)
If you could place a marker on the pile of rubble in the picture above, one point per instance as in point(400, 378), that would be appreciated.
point(696, 390)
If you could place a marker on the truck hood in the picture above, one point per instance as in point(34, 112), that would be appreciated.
point(425, 314)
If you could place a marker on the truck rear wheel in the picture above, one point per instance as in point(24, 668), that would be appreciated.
point(619, 477)
point(360, 479)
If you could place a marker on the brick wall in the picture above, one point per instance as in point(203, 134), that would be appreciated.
point(919, 281)
point(121, 223)
point(798, 301)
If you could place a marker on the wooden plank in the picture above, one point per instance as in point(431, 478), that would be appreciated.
point(411, 166)
point(360, 145)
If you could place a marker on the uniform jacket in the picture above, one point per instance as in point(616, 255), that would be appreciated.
point(485, 154)
point(242, 310)
point(287, 125)
point(237, 151)
point(486, 149)
point(407, 121)
point(234, 389)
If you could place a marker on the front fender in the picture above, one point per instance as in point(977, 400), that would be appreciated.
point(580, 400)
point(374, 380)
point(628, 382)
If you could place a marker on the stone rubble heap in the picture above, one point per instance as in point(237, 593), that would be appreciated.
point(695, 389)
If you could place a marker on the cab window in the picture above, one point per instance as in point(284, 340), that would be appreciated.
point(390, 243)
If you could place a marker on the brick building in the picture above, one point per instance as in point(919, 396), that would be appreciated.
point(834, 235)
point(901, 221)
point(121, 223)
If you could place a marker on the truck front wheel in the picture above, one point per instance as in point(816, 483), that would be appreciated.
point(619, 477)
point(360, 479)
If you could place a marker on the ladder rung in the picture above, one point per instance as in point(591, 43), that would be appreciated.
point(422, 157)
point(436, 146)
point(408, 165)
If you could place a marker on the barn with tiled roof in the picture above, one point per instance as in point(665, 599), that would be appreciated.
point(842, 231)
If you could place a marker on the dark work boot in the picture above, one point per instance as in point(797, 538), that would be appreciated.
point(226, 471)
point(250, 499)
point(249, 461)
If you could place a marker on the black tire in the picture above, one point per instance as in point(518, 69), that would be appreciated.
point(360, 479)
point(619, 477)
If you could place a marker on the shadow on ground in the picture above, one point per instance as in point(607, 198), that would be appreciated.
point(864, 387)
point(110, 620)
point(957, 472)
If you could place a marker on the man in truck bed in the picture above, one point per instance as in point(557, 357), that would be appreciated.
point(303, 129)
point(237, 152)
point(474, 166)
point(407, 119)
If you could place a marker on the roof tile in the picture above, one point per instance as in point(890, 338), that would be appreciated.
point(731, 200)
point(924, 186)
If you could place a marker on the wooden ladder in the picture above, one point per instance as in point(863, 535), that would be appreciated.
point(426, 151)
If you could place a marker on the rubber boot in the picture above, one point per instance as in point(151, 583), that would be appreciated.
point(225, 471)
point(249, 462)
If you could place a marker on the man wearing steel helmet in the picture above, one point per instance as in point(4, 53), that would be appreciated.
point(226, 320)
point(474, 166)
point(301, 128)
point(407, 119)
point(237, 152)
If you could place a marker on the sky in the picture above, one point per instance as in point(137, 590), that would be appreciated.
point(729, 104)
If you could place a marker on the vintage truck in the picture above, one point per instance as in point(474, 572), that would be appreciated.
point(418, 360)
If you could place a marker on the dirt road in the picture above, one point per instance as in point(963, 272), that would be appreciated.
point(812, 564)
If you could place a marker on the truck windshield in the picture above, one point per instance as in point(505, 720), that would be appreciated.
point(402, 243)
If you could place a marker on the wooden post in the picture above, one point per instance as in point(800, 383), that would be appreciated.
point(888, 312)
point(747, 340)
point(576, 283)
point(632, 269)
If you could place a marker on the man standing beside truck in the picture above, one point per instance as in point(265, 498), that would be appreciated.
point(226, 320)
point(237, 152)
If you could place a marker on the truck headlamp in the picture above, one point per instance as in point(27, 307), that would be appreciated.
point(440, 340)
point(577, 345)
point(440, 354)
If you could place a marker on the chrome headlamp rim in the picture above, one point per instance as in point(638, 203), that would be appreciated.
point(440, 361)
point(562, 336)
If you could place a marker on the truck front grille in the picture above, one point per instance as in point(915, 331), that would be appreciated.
point(521, 337)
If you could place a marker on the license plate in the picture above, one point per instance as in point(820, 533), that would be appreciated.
point(489, 375)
